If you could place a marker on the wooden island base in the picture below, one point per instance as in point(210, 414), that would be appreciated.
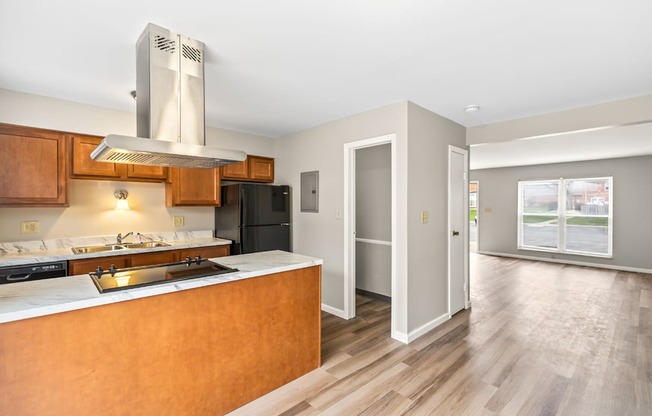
point(203, 351)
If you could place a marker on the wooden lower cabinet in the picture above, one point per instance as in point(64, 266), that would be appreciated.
point(76, 267)
point(203, 351)
point(84, 266)
point(33, 169)
point(204, 252)
point(158, 257)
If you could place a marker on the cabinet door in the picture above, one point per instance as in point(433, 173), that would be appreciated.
point(158, 257)
point(204, 252)
point(84, 166)
point(147, 172)
point(235, 171)
point(261, 169)
point(85, 266)
point(32, 167)
point(199, 187)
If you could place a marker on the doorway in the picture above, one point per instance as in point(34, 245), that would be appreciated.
point(369, 235)
point(373, 222)
point(474, 218)
point(458, 230)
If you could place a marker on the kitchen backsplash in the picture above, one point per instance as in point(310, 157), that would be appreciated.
point(63, 243)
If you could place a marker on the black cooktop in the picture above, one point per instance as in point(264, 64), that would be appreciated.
point(120, 279)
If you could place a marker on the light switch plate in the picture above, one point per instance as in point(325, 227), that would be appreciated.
point(177, 221)
point(29, 227)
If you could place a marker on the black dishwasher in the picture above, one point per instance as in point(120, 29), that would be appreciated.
point(28, 272)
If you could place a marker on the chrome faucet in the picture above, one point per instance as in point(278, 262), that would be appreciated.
point(121, 237)
point(142, 237)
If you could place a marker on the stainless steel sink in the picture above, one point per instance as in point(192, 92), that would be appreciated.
point(115, 247)
point(97, 249)
point(147, 244)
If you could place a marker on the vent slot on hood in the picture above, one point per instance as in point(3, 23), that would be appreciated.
point(165, 44)
point(191, 53)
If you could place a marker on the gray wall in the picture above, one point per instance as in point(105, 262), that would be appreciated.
point(632, 199)
point(421, 294)
point(429, 137)
point(322, 148)
point(373, 218)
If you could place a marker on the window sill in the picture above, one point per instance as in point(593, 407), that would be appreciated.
point(569, 253)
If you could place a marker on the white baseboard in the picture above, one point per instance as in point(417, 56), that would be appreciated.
point(400, 336)
point(574, 263)
point(333, 311)
point(407, 338)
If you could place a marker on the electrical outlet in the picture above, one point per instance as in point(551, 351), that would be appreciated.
point(29, 227)
point(424, 217)
point(177, 221)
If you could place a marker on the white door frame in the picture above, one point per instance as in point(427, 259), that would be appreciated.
point(350, 226)
point(465, 226)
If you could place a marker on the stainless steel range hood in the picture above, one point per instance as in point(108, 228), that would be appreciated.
point(170, 108)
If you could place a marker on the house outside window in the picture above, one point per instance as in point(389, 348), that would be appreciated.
point(571, 216)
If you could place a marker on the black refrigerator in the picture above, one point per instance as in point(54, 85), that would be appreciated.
point(255, 217)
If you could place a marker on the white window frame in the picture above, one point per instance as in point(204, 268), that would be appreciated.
point(562, 216)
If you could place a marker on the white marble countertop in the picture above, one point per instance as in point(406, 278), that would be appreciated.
point(42, 251)
point(45, 297)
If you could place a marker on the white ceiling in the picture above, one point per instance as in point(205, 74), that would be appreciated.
point(607, 143)
point(277, 67)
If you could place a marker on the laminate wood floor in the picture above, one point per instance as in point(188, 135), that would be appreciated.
point(540, 339)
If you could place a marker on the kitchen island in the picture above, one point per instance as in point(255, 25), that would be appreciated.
point(203, 346)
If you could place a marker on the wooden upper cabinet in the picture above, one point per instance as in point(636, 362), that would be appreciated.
point(254, 169)
point(83, 167)
point(32, 167)
point(147, 172)
point(198, 187)
point(261, 169)
point(235, 171)
point(82, 164)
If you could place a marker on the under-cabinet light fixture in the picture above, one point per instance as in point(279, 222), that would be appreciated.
point(121, 196)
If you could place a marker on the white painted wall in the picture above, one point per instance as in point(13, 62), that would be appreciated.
point(429, 137)
point(91, 201)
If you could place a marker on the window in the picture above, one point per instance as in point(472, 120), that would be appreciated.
point(566, 215)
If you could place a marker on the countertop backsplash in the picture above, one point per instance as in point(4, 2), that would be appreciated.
point(22, 252)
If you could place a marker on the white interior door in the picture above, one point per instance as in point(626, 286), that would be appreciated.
point(458, 195)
